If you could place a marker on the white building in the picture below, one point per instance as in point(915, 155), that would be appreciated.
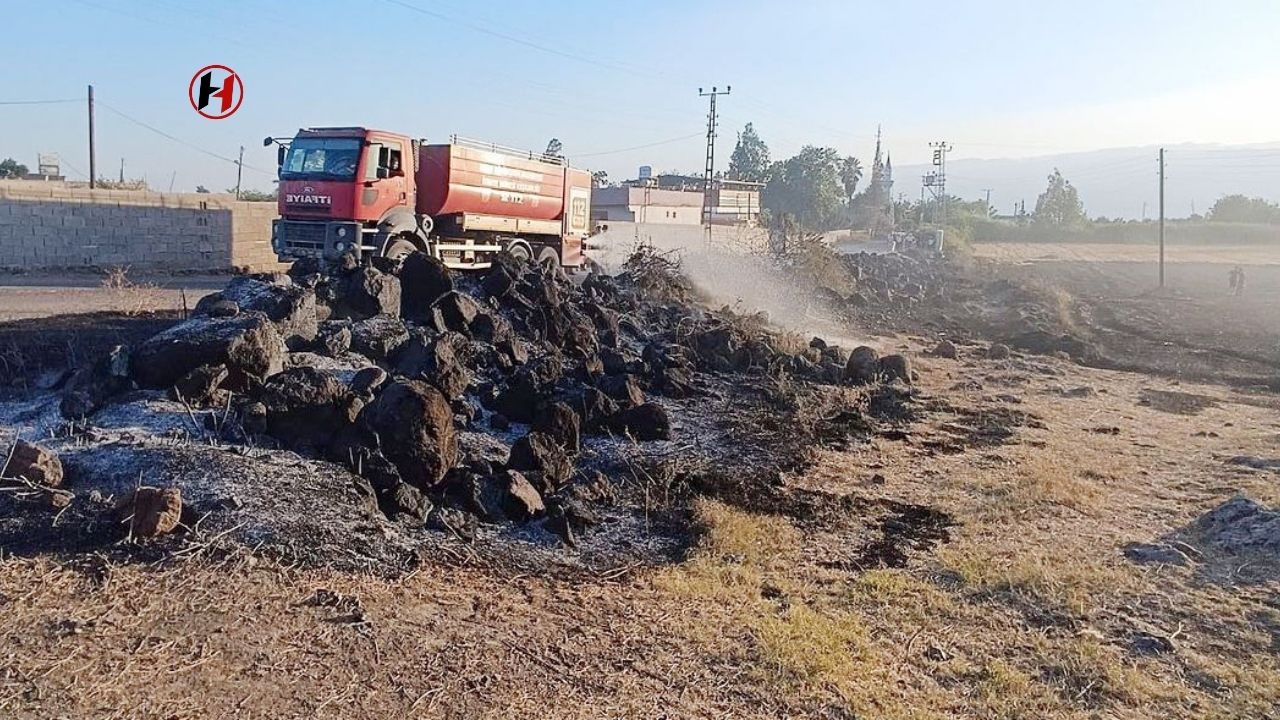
point(652, 200)
point(646, 205)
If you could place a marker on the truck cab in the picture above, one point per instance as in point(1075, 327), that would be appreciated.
point(339, 188)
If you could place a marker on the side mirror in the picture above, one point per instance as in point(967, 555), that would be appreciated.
point(383, 173)
point(280, 156)
point(266, 141)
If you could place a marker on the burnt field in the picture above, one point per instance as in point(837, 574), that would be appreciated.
point(317, 496)
point(1195, 328)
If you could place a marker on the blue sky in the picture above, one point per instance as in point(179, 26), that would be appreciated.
point(997, 79)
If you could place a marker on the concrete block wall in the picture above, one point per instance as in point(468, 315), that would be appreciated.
point(52, 226)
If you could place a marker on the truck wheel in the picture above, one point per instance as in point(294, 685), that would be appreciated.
point(398, 248)
point(520, 251)
point(549, 261)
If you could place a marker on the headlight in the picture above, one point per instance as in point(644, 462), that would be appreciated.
point(342, 247)
point(342, 232)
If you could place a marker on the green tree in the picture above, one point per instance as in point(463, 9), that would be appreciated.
point(599, 179)
point(10, 168)
point(1059, 204)
point(850, 175)
point(750, 159)
point(1238, 208)
point(807, 186)
point(554, 148)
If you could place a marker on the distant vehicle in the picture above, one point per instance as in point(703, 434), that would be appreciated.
point(365, 192)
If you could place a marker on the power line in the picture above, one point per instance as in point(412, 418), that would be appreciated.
point(180, 141)
point(638, 147)
point(39, 102)
point(512, 38)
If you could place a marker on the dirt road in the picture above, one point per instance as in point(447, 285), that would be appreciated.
point(38, 295)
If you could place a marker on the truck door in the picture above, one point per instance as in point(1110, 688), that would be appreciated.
point(385, 177)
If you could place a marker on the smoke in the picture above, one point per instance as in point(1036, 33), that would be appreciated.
point(732, 268)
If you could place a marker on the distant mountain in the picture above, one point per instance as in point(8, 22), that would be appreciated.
point(1116, 182)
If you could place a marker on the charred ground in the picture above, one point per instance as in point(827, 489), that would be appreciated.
point(1012, 533)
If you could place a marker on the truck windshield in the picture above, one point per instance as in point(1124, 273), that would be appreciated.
point(321, 158)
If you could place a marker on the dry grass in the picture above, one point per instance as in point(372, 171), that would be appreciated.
point(1064, 584)
point(1027, 612)
point(129, 297)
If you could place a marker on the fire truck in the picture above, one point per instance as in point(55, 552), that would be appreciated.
point(365, 192)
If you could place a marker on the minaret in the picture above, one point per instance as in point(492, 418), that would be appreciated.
point(888, 178)
point(876, 165)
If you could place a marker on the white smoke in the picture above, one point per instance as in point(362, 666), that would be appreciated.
point(731, 267)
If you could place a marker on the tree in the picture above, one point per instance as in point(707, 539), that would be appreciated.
point(202, 190)
point(554, 148)
point(254, 195)
point(599, 179)
point(1059, 204)
point(850, 174)
point(1238, 208)
point(807, 186)
point(750, 158)
point(10, 168)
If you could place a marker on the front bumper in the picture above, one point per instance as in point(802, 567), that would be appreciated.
point(293, 239)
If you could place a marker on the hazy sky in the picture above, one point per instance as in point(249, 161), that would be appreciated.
point(997, 79)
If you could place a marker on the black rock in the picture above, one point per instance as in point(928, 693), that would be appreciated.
point(307, 407)
point(378, 337)
point(561, 423)
point(539, 453)
point(863, 365)
point(366, 381)
point(896, 367)
point(622, 388)
point(334, 338)
point(366, 292)
point(455, 311)
point(423, 280)
point(89, 388)
point(414, 425)
point(291, 307)
point(439, 360)
point(643, 422)
point(202, 387)
point(248, 344)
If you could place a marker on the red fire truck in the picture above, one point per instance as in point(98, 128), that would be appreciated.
point(369, 192)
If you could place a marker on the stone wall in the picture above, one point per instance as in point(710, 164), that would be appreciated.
point(51, 226)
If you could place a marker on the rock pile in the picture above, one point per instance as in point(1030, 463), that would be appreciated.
point(394, 370)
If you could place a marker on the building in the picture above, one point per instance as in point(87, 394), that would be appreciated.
point(646, 205)
point(735, 202)
point(873, 207)
point(677, 199)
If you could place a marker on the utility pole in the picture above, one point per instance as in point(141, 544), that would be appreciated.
point(709, 173)
point(1162, 217)
point(93, 163)
point(936, 181)
point(987, 203)
point(239, 171)
point(122, 173)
